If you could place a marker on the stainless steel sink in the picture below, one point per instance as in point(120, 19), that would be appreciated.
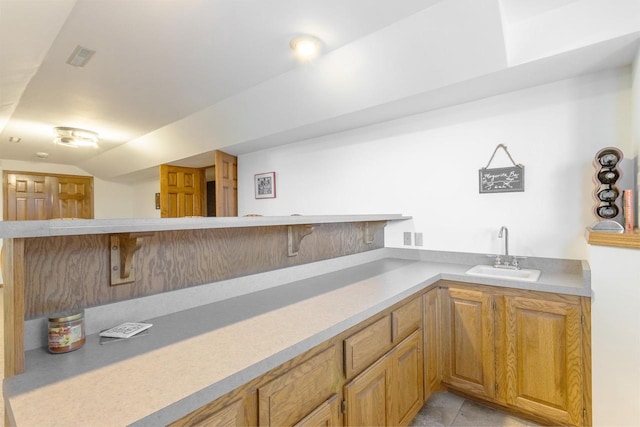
point(523, 275)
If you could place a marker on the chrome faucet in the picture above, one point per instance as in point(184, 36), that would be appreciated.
point(509, 261)
point(504, 231)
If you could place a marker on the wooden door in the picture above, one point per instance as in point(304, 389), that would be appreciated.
point(469, 356)
point(432, 346)
point(408, 380)
point(36, 196)
point(543, 358)
point(368, 396)
point(73, 197)
point(226, 177)
point(181, 191)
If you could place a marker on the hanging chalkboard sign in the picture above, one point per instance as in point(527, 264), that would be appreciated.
point(501, 180)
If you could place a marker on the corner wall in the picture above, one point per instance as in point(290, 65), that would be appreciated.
point(427, 166)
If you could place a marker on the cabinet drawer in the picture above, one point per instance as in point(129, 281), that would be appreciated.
point(296, 393)
point(366, 346)
point(406, 319)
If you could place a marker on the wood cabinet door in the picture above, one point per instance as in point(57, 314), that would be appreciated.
point(432, 346)
point(368, 396)
point(406, 319)
point(366, 346)
point(181, 191)
point(325, 415)
point(226, 177)
point(408, 380)
point(295, 394)
point(543, 358)
point(469, 355)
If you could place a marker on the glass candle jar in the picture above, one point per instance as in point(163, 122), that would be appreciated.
point(66, 332)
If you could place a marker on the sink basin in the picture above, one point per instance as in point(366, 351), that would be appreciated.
point(504, 273)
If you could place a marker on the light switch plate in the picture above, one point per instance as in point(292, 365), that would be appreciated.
point(407, 238)
point(417, 238)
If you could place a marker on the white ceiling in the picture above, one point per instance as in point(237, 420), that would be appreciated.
point(161, 64)
point(156, 61)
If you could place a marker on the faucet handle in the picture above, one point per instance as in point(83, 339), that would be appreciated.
point(497, 258)
point(515, 262)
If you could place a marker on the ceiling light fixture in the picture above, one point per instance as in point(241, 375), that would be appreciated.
point(80, 56)
point(74, 137)
point(14, 139)
point(305, 47)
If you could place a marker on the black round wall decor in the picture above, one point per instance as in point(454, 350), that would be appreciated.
point(607, 175)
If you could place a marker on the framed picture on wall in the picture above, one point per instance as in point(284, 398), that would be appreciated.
point(265, 185)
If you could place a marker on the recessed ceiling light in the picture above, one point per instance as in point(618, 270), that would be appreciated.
point(14, 139)
point(42, 155)
point(305, 47)
point(80, 56)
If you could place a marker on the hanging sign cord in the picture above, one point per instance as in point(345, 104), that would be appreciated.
point(504, 147)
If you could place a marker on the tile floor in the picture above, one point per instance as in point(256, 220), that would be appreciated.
point(446, 409)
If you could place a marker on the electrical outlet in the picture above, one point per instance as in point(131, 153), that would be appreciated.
point(407, 238)
point(418, 239)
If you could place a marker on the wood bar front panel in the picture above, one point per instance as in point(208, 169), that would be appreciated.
point(68, 272)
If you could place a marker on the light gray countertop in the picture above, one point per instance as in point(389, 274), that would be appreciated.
point(194, 356)
point(69, 227)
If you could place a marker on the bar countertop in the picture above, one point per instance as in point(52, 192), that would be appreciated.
point(191, 357)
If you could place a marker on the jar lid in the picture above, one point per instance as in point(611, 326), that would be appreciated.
point(66, 316)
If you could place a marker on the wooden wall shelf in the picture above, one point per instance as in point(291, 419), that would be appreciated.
point(630, 240)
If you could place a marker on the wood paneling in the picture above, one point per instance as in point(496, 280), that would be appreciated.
point(67, 272)
point(14, 284)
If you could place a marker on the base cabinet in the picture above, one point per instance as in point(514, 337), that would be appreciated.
point(407, 379)
point(390, 392)
point(544, 362)
point(468, 341)
point(368, 396)
point(523, 350)
point(519, 349)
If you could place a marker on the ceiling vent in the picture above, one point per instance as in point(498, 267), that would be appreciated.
point(80, 56)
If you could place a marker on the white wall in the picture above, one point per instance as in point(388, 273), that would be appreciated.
point(144, 196)
point(615, 317)
point(427, 166)
point(615, 336)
